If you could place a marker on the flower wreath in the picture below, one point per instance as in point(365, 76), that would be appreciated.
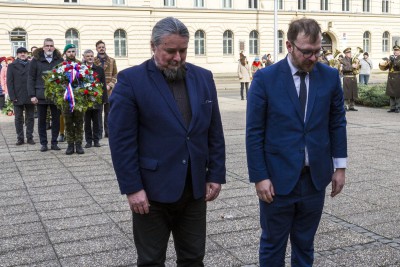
point(73, 86)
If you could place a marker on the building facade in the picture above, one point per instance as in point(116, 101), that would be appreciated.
point(219, 29)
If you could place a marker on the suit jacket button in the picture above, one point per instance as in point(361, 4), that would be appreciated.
point(188, 138)
point(184, 161)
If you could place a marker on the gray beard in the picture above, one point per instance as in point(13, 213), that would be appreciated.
point(172, 75)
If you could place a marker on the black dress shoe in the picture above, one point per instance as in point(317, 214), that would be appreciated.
point(88, 145)
point(97, 144)
point(79, 149)
point(353, 109)
point(55, 147)
point(392, 110)
point(44, 148)
point(30, 141)
point(70, 149)
point(19, 142)
point(48, 126)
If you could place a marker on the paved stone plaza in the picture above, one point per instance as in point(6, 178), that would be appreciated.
point(59, 210)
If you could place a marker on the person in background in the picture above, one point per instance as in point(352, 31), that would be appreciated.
point(365, 70)
point(3, 75)
point(393, 83)
point(110, 70)
point(44, 59)
point(296, 145)
point(244, 75)
point(92, 133)
point(350, 87)
point(2, 93)
point(17, 78)
point(167, 147)
point(256, 65)
point(269, 60)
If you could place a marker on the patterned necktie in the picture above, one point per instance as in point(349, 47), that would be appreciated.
point(303, 91)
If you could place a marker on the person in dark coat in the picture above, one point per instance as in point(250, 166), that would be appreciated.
point(350, 88)
point(92, 133)
point(393, 83)
point(17, 76)
point(44, 59)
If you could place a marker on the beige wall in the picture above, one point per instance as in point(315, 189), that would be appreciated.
point(99, 19)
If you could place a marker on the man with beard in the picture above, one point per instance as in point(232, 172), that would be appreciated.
point(110, 70)
point(17, 77)
point(92, 134)
point(44, 59)
point(296, 145)
point(167, 147)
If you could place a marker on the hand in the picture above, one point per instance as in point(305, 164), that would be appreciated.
point(34, 100)
point(338, 180)
point(108, 88)
point(265, 190)
point(138, 202)
point(212, 191)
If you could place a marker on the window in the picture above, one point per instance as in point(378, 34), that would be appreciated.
point(345, 5)
point(199, 43)
point(72, 37)
point(385, 42)
point(228, 43)
point(18, 39)
point(226, 3)
point(120, 43)
point(366, 41)
point(301, 4)
point(253, 4)
point(366, 5)
point(324, 4)
point(169, 2)
point(253, 43)
point(199, 3)
point(280, 4)
point(118, 2)
point(280, 42)
point(385, 6)
point(70, 1)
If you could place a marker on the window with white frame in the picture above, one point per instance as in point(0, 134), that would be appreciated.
point(253, 43)
point(72, 37)
point(301, 4)
point(385, 42)
point(169, 2)
point(118, 2)
point(366, 41)
point(226, 3)
point(366, 5)
point(385, 6)
point(280, 4)
point(324, 4)
point(253, 4)
point(280, 42)
point(228, 43)
point(345, 5)
point(199, 43)
point(17, 39)
point(198, 3)
point(120, 43)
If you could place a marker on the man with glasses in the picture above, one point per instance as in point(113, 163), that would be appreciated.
point(296, 145)
point(44, 59)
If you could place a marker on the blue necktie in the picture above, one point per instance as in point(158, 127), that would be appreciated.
point(303, 91)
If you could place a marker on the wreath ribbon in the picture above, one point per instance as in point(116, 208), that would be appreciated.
point(69, 93)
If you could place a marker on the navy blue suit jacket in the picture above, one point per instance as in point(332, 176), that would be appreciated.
point(150, 144)
point(276, 134)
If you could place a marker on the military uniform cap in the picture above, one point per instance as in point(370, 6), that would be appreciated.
point(348, 49)
point(396, 47)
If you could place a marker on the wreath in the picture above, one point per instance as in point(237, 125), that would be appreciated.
point(73, 86)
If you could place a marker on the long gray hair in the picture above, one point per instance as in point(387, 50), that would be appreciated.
point(168, 26)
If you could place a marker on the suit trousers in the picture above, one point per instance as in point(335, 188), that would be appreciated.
point(297, 214)
point(186, 219)
point(92, 133)
point(19, 120)
point(106, 108)
point(55, 123)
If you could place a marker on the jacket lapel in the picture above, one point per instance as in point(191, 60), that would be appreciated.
point(288, 83)
point(193, 97)
point(163, 88)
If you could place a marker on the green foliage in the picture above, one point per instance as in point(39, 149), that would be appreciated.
point(87, 88)
point(8, 107)
point(372, 95)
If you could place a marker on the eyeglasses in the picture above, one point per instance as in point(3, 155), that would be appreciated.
point(309, 53)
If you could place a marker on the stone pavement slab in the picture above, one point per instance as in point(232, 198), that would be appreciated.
point(59, 210)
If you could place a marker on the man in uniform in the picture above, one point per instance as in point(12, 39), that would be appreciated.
point(324, 59)
point(350, 87)
point(393, 83)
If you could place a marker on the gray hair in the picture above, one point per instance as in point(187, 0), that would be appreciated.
point(87, 51)
point(48, 40)
point(168, 26)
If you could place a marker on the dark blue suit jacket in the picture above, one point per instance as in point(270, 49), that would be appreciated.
point(150, 144)
point(276, 135)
